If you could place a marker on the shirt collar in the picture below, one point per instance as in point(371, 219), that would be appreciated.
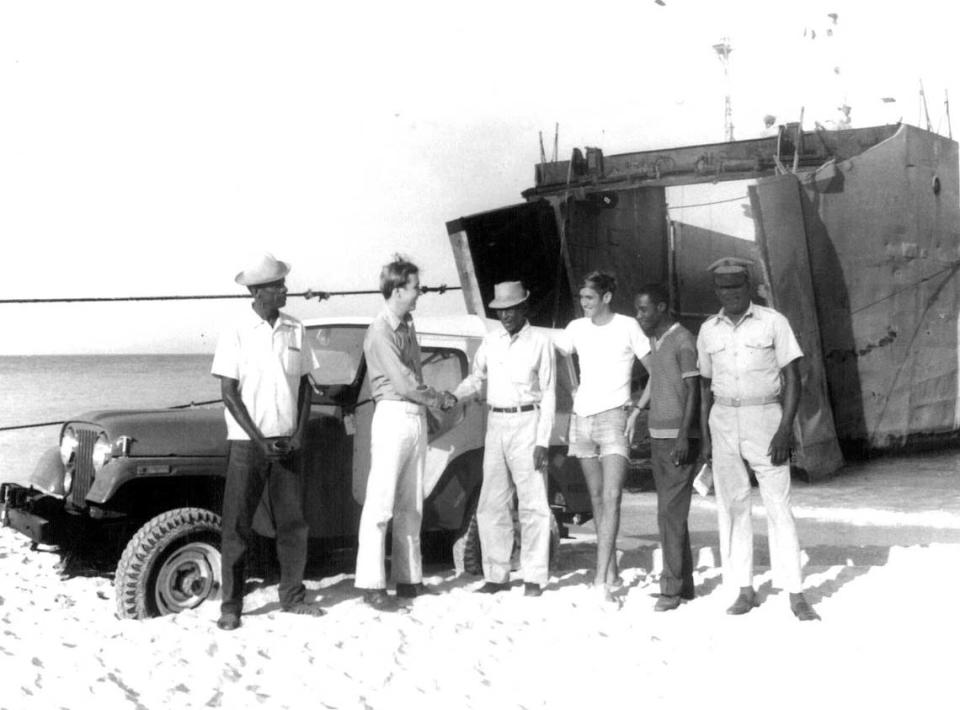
point(749, 313)
point(523, 331)
point(396, 322)
point(659, 341)
point(255, 321)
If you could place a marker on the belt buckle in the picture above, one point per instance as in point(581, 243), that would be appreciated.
point(736, 401)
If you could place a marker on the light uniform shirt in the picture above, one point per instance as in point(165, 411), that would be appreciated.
point(517, 370)
point(743, 361)
point(606, 355)
point(268, 362)
point(393, 361)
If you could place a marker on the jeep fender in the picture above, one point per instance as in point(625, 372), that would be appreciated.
point(121, 472)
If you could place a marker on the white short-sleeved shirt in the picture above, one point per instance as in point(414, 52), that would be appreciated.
point(268, 362)
point(744, 360)
point(606, 355)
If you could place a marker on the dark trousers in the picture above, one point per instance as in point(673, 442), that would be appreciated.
point(248, 472)
point(674, 489)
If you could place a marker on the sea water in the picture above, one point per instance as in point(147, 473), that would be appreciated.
point(52, 388)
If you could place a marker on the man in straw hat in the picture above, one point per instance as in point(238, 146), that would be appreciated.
point(398, 442)
point(263, 360)
point(750, 390)
point(517, 365)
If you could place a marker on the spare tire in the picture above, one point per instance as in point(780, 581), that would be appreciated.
point(467, 552)
point(171, 564)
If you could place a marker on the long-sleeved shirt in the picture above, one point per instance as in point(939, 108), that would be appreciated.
point(517, 370)
point(393, 361)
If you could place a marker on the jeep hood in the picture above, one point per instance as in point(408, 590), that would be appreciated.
point(165, 432)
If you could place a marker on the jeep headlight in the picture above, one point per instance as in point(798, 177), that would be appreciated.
point(102, 452)
point(68, 455)
point(68, 446)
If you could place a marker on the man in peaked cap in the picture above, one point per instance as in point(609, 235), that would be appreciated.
point(263, 360)
point(517, 366)
point(750, 389)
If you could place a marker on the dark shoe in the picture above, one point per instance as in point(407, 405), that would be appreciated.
point(667, 602)
point(379, 600)
point(228, 621)
point(304, 609)
point(746, 600)
point(532, 589)
point(801, 608)
point(411, 591)
point(493, 587)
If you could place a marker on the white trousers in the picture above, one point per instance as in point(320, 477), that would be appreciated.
point(743, 434)
point(398, 449)
point(508, 468)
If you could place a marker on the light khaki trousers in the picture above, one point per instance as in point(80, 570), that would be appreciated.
point(508, 468)
point(398, 449)
point(743, 434)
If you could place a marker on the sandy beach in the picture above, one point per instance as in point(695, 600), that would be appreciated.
point(885, 641)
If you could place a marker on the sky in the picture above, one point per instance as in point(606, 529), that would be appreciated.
point(152, 148)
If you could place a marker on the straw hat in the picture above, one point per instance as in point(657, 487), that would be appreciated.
point(263, 271)
point(508, 294)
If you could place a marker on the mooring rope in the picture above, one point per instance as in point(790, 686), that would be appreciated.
point(308, 294)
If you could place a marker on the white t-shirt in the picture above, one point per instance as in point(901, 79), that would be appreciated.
point(606, 355)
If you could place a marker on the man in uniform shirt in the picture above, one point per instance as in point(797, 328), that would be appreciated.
point(398, 442)
point(674, 393)
point(517, 364)
point(750, 388)
point(263, 361)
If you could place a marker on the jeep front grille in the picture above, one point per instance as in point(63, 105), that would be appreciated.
point(83, 473)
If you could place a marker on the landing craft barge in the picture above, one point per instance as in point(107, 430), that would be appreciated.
point(855, 235)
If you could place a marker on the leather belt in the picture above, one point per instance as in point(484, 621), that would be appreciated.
point(514, 410)
point(745, 401)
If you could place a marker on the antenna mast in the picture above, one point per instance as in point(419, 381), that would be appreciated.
point(723, 50)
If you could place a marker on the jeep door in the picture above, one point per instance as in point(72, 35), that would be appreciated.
point(339, 392)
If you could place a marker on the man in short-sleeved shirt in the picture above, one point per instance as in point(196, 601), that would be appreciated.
point(263, 360)
point(674, 393)
point(750, 387)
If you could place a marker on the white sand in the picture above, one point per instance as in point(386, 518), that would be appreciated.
point(887, 640)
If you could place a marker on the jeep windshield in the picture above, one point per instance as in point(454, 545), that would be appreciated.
point(339, 349)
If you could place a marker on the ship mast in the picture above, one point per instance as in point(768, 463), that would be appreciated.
point(723, 50)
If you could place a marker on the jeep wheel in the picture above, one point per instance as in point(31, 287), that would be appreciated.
point(466, 547)
point(468, 556)
point(171, 564)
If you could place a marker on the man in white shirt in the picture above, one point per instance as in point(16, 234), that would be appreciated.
point(603, 418)
point(517, 365)
point(263, 361)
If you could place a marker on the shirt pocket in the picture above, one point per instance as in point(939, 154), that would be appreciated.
point(759, 353)
point(519, 370)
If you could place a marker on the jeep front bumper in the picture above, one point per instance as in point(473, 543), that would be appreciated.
point(30, 512)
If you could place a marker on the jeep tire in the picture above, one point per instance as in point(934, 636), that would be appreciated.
point(172, 563)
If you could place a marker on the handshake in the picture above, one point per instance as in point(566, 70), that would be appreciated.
point(447, 401)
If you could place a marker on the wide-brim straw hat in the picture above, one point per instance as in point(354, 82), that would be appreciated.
point(268, 268)
point(508, 294)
